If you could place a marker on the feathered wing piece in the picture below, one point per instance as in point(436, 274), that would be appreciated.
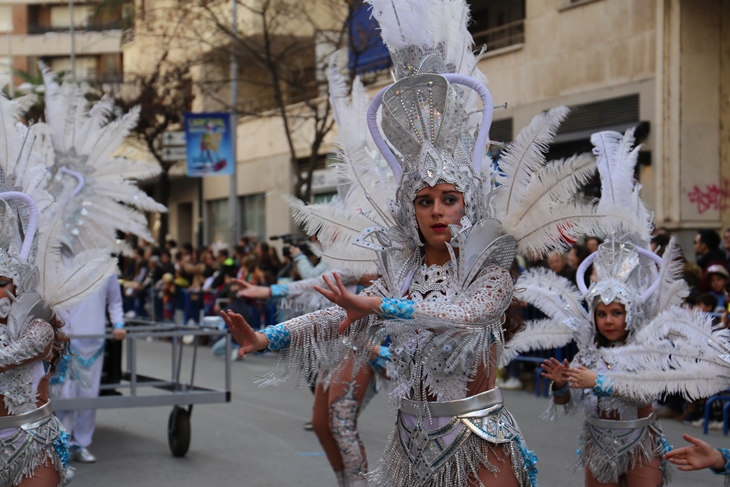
point(96, 189)
point(672, 287)
point(561, 302)
point(364, 185)
point(616, 160)
point(536, 202)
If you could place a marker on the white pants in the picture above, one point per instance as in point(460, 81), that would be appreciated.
point(80, 424)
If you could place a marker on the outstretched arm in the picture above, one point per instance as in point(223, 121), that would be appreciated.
point(700, 455)
point(557, 372)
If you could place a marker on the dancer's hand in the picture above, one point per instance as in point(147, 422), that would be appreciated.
point(119, 334)
point(249, 340)
point(248, 290)
point(357, 307)
point(700, 455)
point(581, 378)
point(556, 371)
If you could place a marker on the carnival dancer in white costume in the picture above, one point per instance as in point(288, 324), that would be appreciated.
point(338, 400)
point(78, 375)
point(55, 251)
point(444, 246)
point(635, 340)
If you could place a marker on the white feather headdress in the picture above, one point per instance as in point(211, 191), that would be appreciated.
point(57, 233)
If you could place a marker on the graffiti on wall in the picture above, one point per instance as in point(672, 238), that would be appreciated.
point(712, 197)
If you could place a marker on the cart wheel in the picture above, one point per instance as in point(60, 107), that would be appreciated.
point(178, 431)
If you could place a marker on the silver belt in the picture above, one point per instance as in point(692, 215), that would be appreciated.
point(43, 412)
point(476, 406)
point(616, 424)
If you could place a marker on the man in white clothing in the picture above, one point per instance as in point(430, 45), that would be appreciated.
point(78, 375)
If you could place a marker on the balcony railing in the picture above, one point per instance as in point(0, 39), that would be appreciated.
point(88, 26)
point(503, 36)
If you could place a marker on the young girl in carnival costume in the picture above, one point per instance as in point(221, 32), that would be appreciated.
point(444, 245)
point(41, 280)
point(633, 339)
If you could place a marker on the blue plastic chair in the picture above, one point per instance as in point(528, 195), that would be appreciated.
point(724, 396)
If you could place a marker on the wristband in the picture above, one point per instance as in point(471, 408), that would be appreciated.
point(118, 326)
point(562, 391)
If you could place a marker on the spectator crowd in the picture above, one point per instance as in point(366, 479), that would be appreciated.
point(182, 284)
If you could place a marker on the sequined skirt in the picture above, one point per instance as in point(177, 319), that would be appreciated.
point(609, 452)
point(434, 451)
point(25, 448)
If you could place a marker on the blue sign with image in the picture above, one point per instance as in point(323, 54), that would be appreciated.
point(209, 141)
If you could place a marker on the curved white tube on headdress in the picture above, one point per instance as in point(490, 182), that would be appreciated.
point(487, 114)
point(378, 139)
point(32, 219)
point(580, 273)
point(480, 144)
point(79, 177)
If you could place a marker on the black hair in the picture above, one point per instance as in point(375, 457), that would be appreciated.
point(707, 299)
point(710, 238)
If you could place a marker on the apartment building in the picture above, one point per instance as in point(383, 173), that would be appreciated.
point(32, 31)
point(662, 66)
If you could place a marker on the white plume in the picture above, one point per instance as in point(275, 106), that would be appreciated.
point(84, 141)
point(365, 183)
point(672, 287)
point(620, 193)
point(554, 295)
point(537, 335)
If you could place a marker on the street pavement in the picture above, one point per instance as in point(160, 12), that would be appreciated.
point(257, 440)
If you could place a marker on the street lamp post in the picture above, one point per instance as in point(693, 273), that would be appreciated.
point(233, 195)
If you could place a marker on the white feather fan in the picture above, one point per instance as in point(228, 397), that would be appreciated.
point(84, 140)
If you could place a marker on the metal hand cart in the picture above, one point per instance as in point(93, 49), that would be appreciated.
point(174, 392)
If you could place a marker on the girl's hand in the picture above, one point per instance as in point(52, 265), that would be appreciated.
point(581, 378)
point(248, 290)
point(556, 372)
point(701, 455)
point(357, 307)
point(245, 336)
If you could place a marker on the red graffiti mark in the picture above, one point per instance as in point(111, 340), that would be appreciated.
point(713, 197)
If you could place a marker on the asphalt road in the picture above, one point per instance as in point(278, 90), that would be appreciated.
point(257, 440)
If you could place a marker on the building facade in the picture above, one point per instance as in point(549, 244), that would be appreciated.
point(662, 66)
point(34, 31)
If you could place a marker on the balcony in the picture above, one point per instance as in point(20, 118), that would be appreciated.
point(79, 27)
point(503, 36)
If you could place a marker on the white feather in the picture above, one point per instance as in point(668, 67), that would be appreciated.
point(619, 190)
point(537, 335)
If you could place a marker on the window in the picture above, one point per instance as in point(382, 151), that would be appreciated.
point(324, 197)
point(497, 23)
point(217, 221)
point(252, 211)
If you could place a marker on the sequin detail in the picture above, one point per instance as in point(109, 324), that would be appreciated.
point(603, 387)
point(398, 309)
point(279, 290)
point(278, 336)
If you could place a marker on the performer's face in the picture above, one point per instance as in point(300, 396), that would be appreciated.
point(611, 321)
point(436, 209)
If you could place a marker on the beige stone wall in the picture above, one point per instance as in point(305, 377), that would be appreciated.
point(571, 51)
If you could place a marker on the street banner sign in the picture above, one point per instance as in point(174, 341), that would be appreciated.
point(209, 144)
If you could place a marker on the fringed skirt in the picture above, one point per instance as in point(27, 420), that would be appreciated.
point(25, 448)
point(435, 451)
point(610, 452)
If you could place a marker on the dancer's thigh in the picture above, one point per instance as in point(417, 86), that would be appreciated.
point(645, 475)
point(592, 482)
point(505, 477)
point(45, 476)
point(339, 388)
